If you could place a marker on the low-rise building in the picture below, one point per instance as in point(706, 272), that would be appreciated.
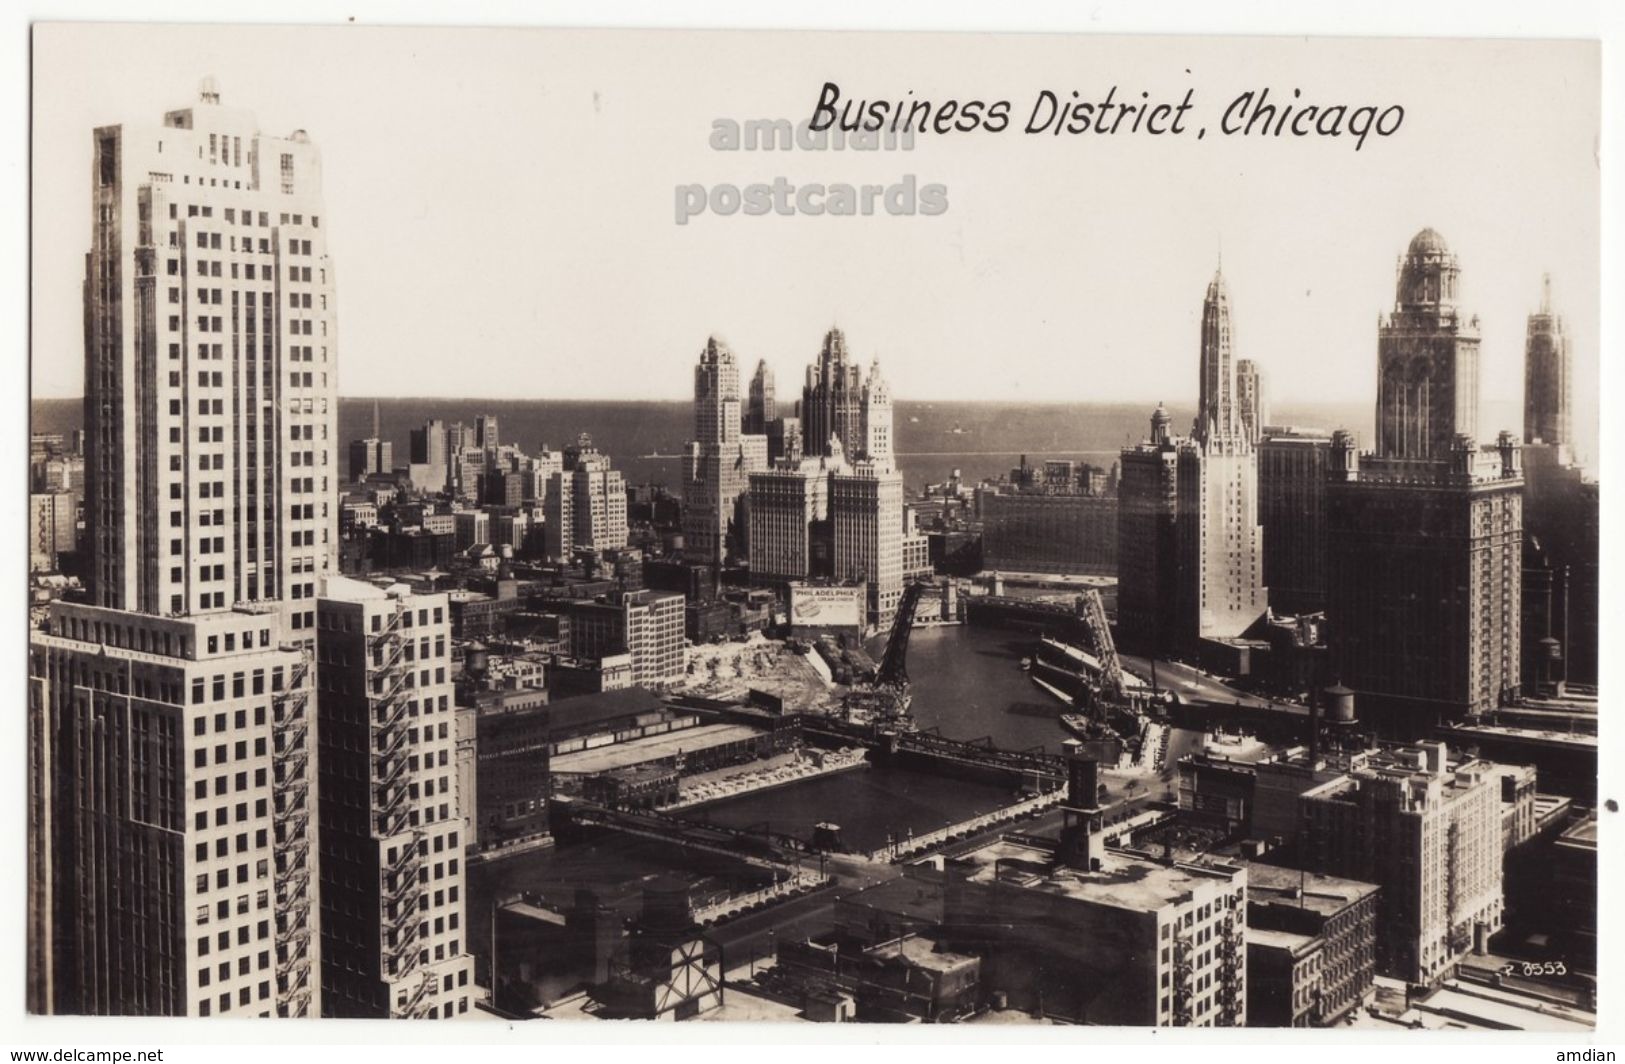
point(1311, 946)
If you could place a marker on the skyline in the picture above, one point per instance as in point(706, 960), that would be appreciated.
point(1055, 320)
point(299, 729)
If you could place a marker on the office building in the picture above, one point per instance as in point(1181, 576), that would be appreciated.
point(1560, 513)
point(1190, 550)
point(1548, 376)
point(53, 520)
point(1293, 464)
point(866, 535)
point(511, 781)
point(585, 509)
point(852, 527)
point(371, 457)
point(1050, 532)
point(1157, 529)
point(720, 459)
point(1231, 595)
point(648, 625)
point(428, 457)
point(789, 521)
point(210, 353)
point(211, 499)
point(1427, 358)
point(832, 400)
point(1425, 829)
point(1252, 404)
point(171, 859)
point(486, 437)
point(761, 407)
point(1101, 935)
point(1311, 947)
point(1424, 538)
point(393, 830)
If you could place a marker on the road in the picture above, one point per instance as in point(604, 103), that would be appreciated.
point(1190, 683)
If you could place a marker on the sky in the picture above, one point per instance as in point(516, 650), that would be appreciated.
point(502, 205)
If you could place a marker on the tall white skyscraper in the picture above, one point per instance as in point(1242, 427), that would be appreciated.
point(210, 367)
point(1230, 595)
point(172, 858)
point(720, 459)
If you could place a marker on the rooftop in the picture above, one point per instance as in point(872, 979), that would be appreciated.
point(603, 706)
point(651, 748)
point(1124, 880)
point(1282, 940)
point(1326, 895)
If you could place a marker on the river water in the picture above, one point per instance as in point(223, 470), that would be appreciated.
point(964, 680)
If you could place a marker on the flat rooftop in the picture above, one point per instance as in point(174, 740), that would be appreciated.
point(1326, 895)
point(1282, 940)
point(1543, 736)
point(1581, 835)
point(1124, 881)
point(651, 748)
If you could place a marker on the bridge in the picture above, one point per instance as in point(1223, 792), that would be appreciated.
point(754, 845)
point(979, 753)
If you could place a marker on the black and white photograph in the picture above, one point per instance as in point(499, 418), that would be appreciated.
point(1028, 531)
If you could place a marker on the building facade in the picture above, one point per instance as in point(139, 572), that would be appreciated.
point(170, 726)
point(1427, 358)
point(585, 507)
point(394, 833)
point(210, 355)
point(1044, 532)
point(720, 459)
point(53, 527)
point(1548, 376)
point(1293, 465)
point(171, 855)
point(1428, 832)
point(1424, 537)
point(648, 625)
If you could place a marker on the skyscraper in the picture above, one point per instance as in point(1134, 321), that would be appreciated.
point(585, 507)
point(1560, 511)
point(1158, 525)
point(1190, 552)
point(1216, 413)
point(1427, 358)
point(394, 829)
point(171, 854)
point(1547, 376)
point(832, 400)
point(1229, 562)
point(210, 366)
point(850, 527)
point(720, 459)
point(1424, 537)
point(761, 407)
point(428, 456)
point(1292, 469)
point(1252, 405)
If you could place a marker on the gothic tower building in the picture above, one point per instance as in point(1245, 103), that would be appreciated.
point(1427, 358)
point(1547, 376)
point(717, 467)
point(1424, 537)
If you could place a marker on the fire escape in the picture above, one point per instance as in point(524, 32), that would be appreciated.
point(290, 817)
point(1184, 979)
point(390, 674)
point(1231, 951)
